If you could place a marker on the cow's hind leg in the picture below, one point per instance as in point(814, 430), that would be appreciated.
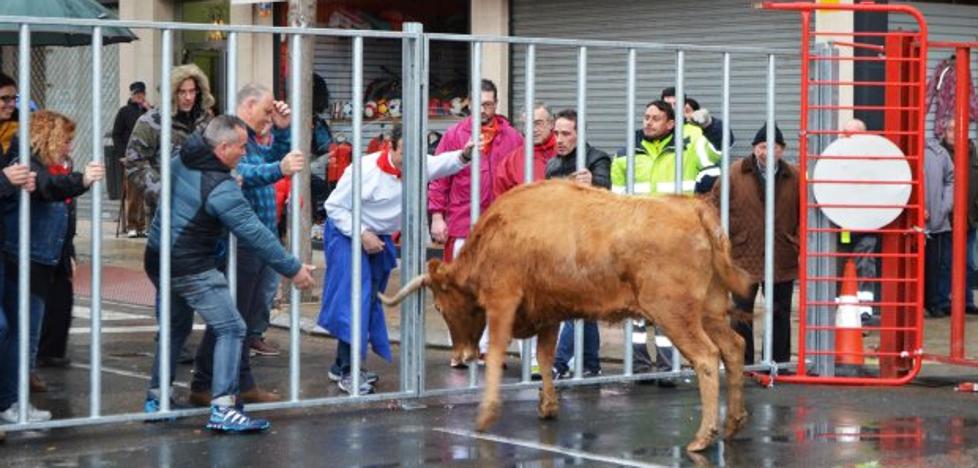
point(731, 346)
point(546, 345)
point(681, 322)
point(500, 312)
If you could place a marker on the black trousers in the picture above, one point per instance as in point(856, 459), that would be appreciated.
point(782, 321)
point(58, 303)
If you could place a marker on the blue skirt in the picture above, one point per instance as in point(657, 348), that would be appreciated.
point(334, 315)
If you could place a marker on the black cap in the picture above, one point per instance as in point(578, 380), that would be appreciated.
point(137, 87)
point(761, 136)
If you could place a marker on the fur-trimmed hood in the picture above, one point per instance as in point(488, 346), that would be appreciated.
point(204, 99)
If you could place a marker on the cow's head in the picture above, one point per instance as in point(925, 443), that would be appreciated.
point(457, 305)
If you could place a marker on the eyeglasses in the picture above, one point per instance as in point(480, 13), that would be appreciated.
point(8, 99)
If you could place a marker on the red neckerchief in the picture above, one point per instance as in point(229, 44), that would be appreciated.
point(489, 132)
point(548, 145)
point(60, 169)
point(384, 163)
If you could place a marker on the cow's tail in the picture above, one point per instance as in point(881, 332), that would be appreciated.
point(732, 276)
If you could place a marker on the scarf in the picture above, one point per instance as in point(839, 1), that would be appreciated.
point(489, 132)
point(548, 145)
point(385, 165)
point(7, 131)
point(60, 170)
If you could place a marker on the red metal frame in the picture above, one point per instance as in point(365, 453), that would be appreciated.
point(901, 280)
point(960, 219)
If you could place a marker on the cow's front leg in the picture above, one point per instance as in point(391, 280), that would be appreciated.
point(500, 320)
point(546, 343)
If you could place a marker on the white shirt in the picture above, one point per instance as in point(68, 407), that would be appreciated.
point(381, 207)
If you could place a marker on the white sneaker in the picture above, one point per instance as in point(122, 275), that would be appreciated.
point(33, 414)
point(133, 234)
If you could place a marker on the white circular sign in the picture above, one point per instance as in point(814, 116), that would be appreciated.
point(865, 170)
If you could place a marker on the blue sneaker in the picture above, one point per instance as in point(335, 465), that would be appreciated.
point(230, 419)
point(152, 405)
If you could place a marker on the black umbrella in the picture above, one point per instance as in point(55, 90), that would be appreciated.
point(59, 35)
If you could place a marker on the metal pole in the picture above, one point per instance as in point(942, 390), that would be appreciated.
point(769, 221)
point(581, 153)
point(679, 109)
point(24, 218)
point(476, 167)
point(630, 179)
point(166, 132)
point(355, 244)
point(232, 86)
point(422, 191)
point(528, 108)
point(295, 217)
point(95, 372)
point(412, 243)
point(725, 149)
point(959, 233)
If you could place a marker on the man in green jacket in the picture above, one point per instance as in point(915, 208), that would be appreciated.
point(655, 173)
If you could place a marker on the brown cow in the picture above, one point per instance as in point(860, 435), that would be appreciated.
point(557, 250)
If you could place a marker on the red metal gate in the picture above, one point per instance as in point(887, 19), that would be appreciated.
point(894, 355)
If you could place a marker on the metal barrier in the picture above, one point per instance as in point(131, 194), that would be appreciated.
point(901, 280)
point(415, 71)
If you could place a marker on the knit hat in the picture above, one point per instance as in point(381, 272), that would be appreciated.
point(137, 87)
point(761, 136)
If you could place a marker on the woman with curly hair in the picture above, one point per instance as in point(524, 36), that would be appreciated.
point(51, 139)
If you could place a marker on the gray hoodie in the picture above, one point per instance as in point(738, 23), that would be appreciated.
point(938, 187)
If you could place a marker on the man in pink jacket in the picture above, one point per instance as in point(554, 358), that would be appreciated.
point(448, 198)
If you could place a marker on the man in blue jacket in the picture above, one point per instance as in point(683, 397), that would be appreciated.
point(206, 202)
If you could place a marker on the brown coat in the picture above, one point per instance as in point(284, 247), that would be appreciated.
point(747, 219)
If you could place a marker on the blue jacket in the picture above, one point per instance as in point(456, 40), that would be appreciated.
point(259, 170)
point(49, 215)
point(205, 203)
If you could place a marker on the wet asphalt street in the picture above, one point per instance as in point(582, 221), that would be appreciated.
point(922, 424)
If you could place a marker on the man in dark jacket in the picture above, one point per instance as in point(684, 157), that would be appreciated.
point(972, 268)
point(597, 172)
point(125, 121)
point(206, 203)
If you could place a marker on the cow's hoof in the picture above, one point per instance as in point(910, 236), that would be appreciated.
point(488, 414)
point(699, 444)
point(548, 409)
point(734, 424)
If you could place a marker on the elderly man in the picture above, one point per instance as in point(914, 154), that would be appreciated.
point(747, 185)
point(206, 203)
point(266, 160)
point(511, 170)
point(125, 121)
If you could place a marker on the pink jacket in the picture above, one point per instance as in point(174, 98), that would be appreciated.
point(450, 195)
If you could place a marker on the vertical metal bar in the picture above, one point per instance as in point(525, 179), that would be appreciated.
point(95, 371)
point(803, 194)
point(422, 191)
point(230, 109)
point(295, 217)
point(476, 166)
point(412, 244)
point(725, 149)
point(679, 109)
point(528, 109)
point(24, 218)
point(630, 180)
point(960, 217)
point(355, 244)
point(581, 153)
point(166, 133)
point(769, 203)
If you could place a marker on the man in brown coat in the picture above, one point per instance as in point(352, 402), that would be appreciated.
point(747, 236)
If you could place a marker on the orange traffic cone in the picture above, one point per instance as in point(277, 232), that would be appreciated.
point(848, 332)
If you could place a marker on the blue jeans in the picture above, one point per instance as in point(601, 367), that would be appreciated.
point(257, 284)
point(208, 294)
point(937, 273)
point(565, 346)
point(971, 271)
point(9, 362)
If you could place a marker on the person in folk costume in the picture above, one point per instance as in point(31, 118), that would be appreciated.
point(381, 217)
